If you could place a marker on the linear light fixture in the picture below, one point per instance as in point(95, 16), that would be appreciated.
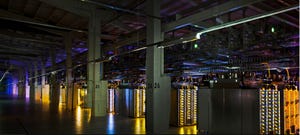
point(244, 20)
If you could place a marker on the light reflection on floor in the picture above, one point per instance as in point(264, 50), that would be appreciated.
point(78, 121)
point(188, 130)
point(83, 116)
point(45, 107)
point(110, 124)
point(139, 126)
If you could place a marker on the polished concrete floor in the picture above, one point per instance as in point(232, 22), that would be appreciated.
point(18, 116)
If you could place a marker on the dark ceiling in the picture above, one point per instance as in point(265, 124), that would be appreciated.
point(31, 29)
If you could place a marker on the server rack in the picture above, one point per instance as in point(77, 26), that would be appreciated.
point(62, 96)
point(137, 105)
point(111, 100)
point(269, 98)
point(184, 106)
point(291, 109)
point(81, 89)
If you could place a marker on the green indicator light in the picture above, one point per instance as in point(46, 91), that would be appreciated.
point(273, 29)
point(195, 45)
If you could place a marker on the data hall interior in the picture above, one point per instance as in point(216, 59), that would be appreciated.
point(149, 67)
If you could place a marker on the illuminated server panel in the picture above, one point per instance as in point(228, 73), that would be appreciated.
point(139, 102)
point(81, 94)
point(291, 110)
point(269, 98)
point(137, 99)
point(111, 100)
point(184, 106)
point(62, 96)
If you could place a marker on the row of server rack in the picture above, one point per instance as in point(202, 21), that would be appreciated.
point(223, 108)
point(128, 102)
point(184, 105)
point(276, 104)
point(132, 102)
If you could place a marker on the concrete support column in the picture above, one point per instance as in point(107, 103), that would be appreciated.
point(54, 85)
point(158, 86)
point(21, 83)
point(71, 95)
point(96, 93)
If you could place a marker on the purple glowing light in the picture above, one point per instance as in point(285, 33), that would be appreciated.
point(130, 47)
point(27, 92)
point(110, 52)
point(80, 50)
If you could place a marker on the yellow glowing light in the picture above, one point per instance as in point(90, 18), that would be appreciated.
point(45, 94)
point(78, 120)
point(291, 108)
point(181, 109)
point(62, 96)
point(82, 92)
point(139, 126)
point(144, 101)
point(188, 130)
point(79, 102)
point(181, 131)
point(138, 103)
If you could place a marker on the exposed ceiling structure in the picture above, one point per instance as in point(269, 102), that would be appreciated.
point(32, 29)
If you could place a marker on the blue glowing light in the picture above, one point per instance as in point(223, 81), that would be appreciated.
point(110, 124)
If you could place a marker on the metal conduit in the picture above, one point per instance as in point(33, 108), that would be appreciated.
point(244, 20)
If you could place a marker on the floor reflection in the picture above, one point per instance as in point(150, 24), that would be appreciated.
point(83, 116)
point(110, 124)
point(61, 109)
point(45, 107)
point(188, 130)
point(139, 126)
point(78, 120)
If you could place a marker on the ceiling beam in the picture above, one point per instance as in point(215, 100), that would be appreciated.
point(133, 38)
point(5, 53)
point(73, 6)
point(62, 33)
point(275, 17)
point(209, 13)
point(19, 58)
point(21, 49)
point(52, 31)
point(121, 25)
point(81, 8)
point(7, 14)
point(25, 37)
point(292, 18)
